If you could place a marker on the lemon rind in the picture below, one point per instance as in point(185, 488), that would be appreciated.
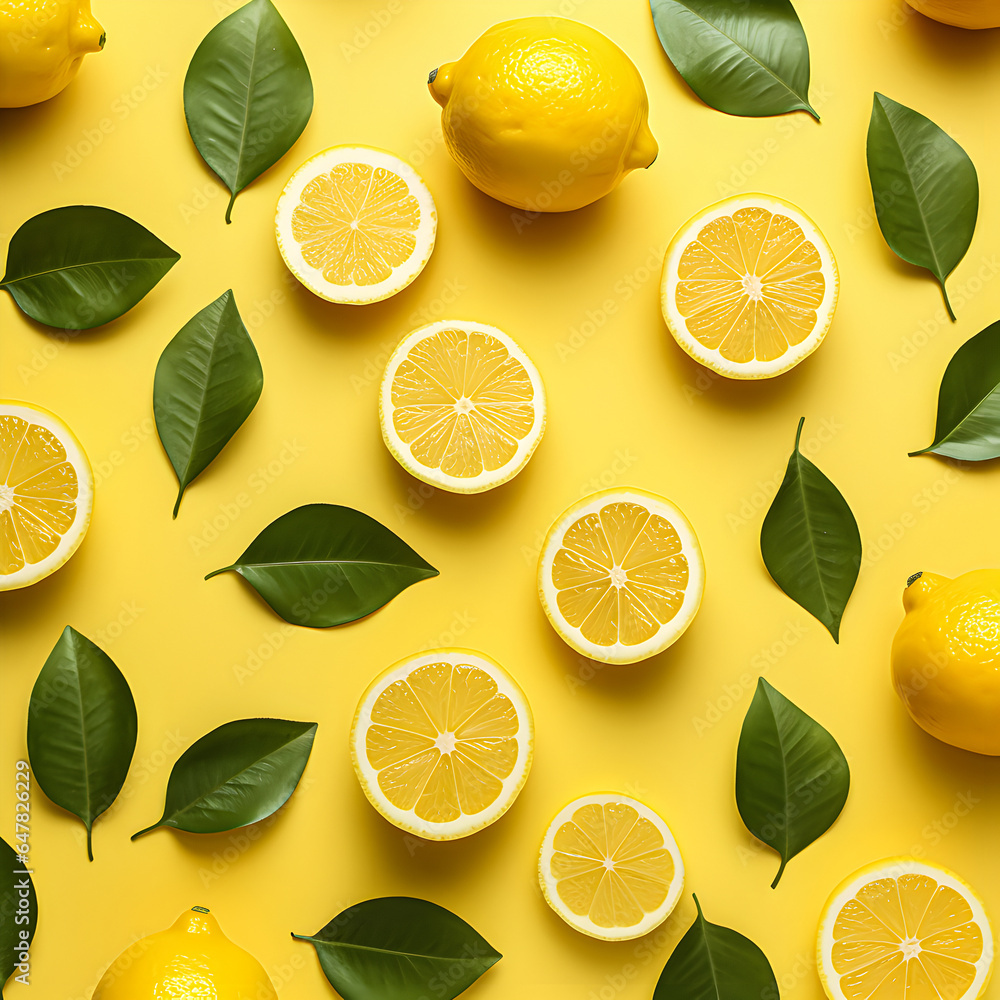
point(72, 538)
point(620, 653)
point(465, 825)
point(486, 480)
point(311, 277)
point(713, 359)
point(584, 924)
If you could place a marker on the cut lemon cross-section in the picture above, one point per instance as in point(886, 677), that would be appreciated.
point(749, 286)
point(903, 929)
point(46, 494)
point(442, 743)
point(355, 224)
point(462, 407)
point(610, 867)
point(621, 575)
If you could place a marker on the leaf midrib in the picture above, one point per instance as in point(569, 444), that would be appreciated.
point(809, 528)
point(961, 423)
point(204, 795)
point(385, 951)
point(767, 69)
point(321, 562)
point(916, 198)
point(89, 263)
point(246, 110)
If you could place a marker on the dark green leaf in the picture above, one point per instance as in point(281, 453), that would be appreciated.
point(208, 380)
point(80, 266)
point(925, 189)
point(742, 58)
point(712, 962)
point(968, 417)
point(323, 565)
point(18, 912)
point(810, 541)
point(400, 948)
point(247, 95)
point(236, 775)
point(792, 778)
point(81, 729)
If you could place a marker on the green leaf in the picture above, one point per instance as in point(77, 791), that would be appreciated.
point(80, 266)
point(792, 778)
point(322, 565)
point(82, 729)
point(236, 775)
point(712, 962)
point(810, 541)
point(18, 910)
point(925, 189)
point(742, 58)
point(208, 380)
point(968, 417)
point(247, 95)
point(400, 948)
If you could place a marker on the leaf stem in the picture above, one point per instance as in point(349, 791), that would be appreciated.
point(149, 829)
point(229, 209)
point(216, 572)
point(798, 433)
point(177, 505)
point(781, 871)
point(90, 842)
point(947, 301)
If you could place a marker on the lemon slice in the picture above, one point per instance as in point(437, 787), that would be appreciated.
point(610, 867)
point(621, 575)
point(442, 743)
point(462, 407)
point(355, 224)
point(749, 286)
point(903, 929)
point(46, 494)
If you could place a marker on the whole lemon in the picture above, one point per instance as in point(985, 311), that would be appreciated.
point(962, 13)
point(192, 959)
point(42, 43)
point(544, 113)
point(946, 657)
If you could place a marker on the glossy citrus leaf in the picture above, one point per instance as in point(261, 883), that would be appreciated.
point(247, 95)
point(925, 189)
point(712, 962)
point(19, 910)
point(323, 564)
point(236, 775)
point(400, 948)
point(749, 59)
point(968, 417)
point(80, 266)
point(207, 382)
point(810, 541)
point(82, 728)
point(792, 778)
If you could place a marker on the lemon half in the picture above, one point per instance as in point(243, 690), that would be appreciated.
point(462, 407)
point(621, 575)
point(46, 494)
point(749, 286)
point(355, 224)
point(610, 867)
point(442, 743)
point(903, 929)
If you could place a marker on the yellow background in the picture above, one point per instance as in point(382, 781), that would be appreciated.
point(626, 407)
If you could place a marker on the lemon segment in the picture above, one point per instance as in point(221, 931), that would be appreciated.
point(355, 224)
point(749, 286)
point(461, 406)
point(902, 929)
point(46, 494)
point(442, 743)
point(621, 575)
point(610, 867)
